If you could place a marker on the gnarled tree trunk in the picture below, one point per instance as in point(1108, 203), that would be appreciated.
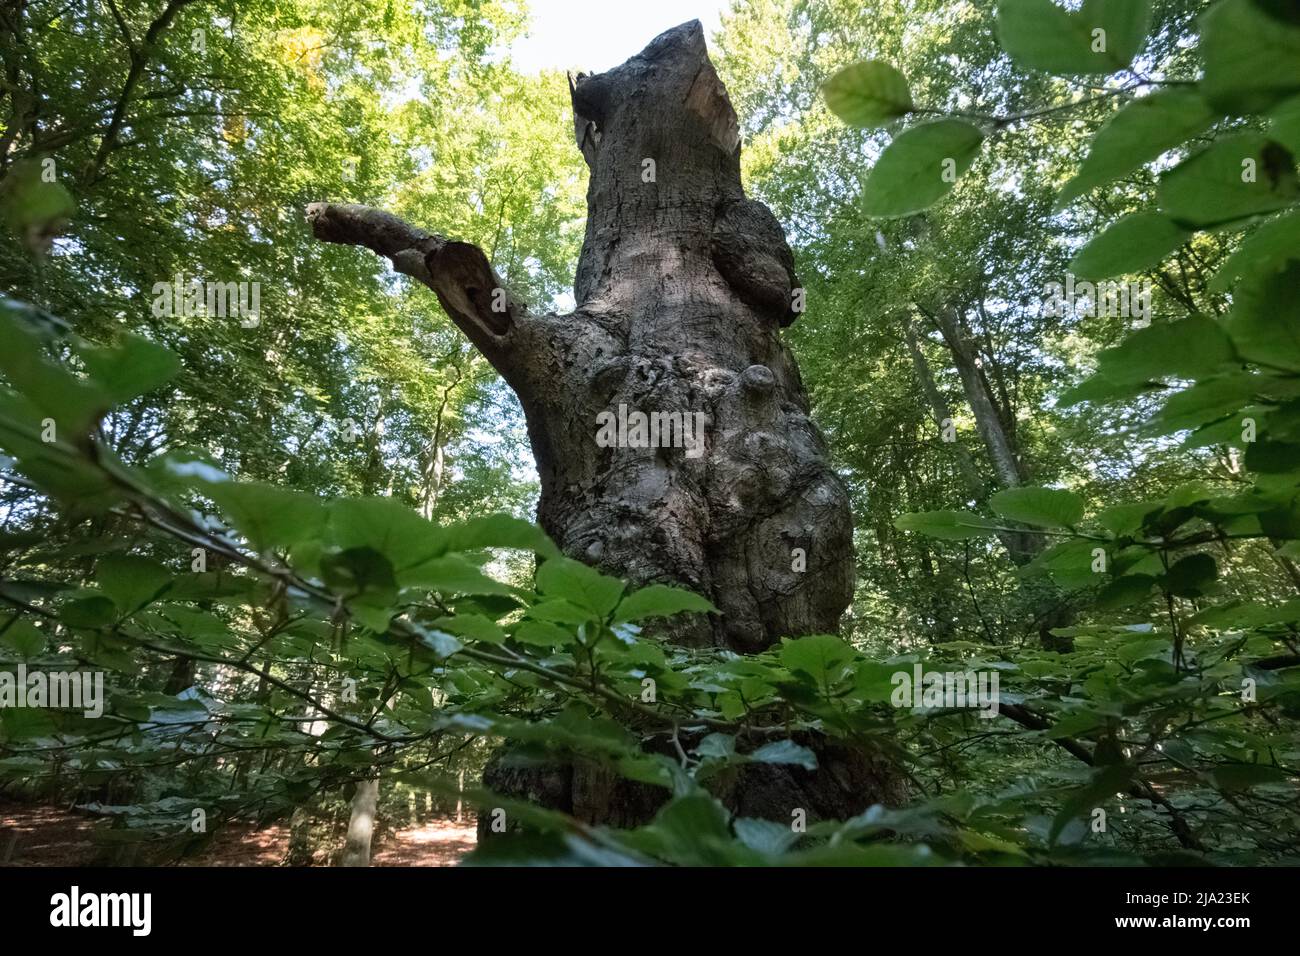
point(682, 289)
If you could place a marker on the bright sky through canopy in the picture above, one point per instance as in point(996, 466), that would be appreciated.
point(594, 35)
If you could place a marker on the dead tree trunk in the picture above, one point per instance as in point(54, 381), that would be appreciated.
point(682, 288)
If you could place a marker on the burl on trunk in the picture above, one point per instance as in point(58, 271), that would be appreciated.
point(682, 288)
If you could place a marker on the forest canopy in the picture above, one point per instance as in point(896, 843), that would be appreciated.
point(975, 538)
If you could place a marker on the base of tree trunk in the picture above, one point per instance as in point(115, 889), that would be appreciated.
point(847, 781)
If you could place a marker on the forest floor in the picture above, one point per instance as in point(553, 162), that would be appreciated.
point(32, 835)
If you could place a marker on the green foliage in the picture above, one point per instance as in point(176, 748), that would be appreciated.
point(1236, 177)
point(347, 586)
point(659, 600)
point(195, 527)
point(35, 206)
point(920, 167)
point(1041, 507)
point(868, 94)
point(1140, 132)
point(1158, 581)
point(953, 525)
point(1101, 37)
point(1134, 244)
point(1252, 59)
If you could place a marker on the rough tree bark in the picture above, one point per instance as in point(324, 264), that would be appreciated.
point(682, 288)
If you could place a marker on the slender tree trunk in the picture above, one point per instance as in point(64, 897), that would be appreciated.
point(361, 825)
point(435, 456)
point(989, 419)
point(300, 838)
point(1020, 548)
point(993, 421)
point(942, 411)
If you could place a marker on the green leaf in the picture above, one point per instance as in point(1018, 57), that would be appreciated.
point(1098, 388)
point(949, 525)
point(1265, 319)
point(130, 709)
point(868, 94)
point(1264, 251)
point(1236, 615)
point(1126, 591)
point(660, 600)
point(499, 531)
point(1041, 507)
point(1206, 401)
point(35, 207)
point(1238, 176)
point(919, 168)
point(1243, 776)
point(1192, 576)
point(1273, 457)
point(690, 830)
point(25, 723)
point(268, 516)
point(201, 627)
point(377, 617)
point(1104, 784)
point(823, 657)
point(1192, 348)
point(1069, 563)
point(1251, 60)
point(91, 610)
point(785, 752)
point(1133, 244)
point(74, 405)
point(360, 572)
point(472, 626)
point(1284, 125)
point(874, 681)
point(1102, 37)
point(133, 582)
point(580, 585)
point(1230, 431)
point(211, 586)
point(558, 611)
point(1128, 518)
point(542, 634)
point(452, 574)
point(848, 854)
point(135, 367)
point(389, 527)
point(1137, 134)
point(717, 746)
point(440, 642)
point(1149, 649)
point(24, 637)
point(765, 836)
